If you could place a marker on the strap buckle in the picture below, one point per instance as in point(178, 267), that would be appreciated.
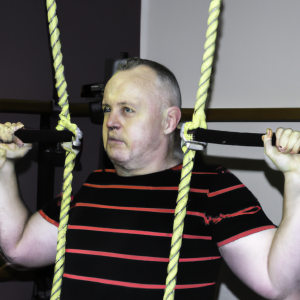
point(190, 144)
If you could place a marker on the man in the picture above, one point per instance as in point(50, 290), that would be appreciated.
point(120, 224)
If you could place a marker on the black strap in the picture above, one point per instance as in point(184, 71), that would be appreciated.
point(46, 136)
point(229, 138)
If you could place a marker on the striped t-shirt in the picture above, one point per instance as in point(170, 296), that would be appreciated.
point(120, 230)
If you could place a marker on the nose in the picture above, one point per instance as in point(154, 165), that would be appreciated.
point(112, 121)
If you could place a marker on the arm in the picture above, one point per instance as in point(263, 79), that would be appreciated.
point(269, 261)
point(25, 239)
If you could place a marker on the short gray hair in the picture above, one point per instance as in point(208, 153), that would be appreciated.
point(166, 77)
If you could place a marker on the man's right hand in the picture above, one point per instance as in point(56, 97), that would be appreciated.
point(11, 147)
point(26, 240)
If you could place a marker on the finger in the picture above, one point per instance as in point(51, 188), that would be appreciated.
point(279, 133)
point(20, 152)
point(6, 134)
point(17, 126)
point(5, 146)
point(17, 141)
point(269, 149)
point(296, 147)
point(293, 139)
point(284, 140)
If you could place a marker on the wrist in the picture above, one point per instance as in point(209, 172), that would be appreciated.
point(7, 168)
point(291, 193)
point(292, 177)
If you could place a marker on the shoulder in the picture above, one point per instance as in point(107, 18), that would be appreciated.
point(213, 177)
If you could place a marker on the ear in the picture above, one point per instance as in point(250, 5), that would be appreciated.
point(172, 118)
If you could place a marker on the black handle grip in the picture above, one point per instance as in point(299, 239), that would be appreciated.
point(46, 136)
point(229, 138)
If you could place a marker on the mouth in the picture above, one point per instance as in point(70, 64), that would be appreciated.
point(113, 140)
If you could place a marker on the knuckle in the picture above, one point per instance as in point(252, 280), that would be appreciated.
point(288, 130)
point(279, 130)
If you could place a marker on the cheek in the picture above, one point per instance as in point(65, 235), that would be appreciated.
point(144, 137)
point(104, 135)
point(137, 136)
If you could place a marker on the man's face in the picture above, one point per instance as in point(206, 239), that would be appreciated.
point(133, 118)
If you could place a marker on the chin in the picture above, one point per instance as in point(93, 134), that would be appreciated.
point(117, 158)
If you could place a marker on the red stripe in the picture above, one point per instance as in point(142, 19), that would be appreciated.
point(199, 258)
point(180, 167)
point(158, 210)
point(218, 192)
point(163, 188)
point(133, 187)
point(187, 236)
point(204, 173)
point(243, 234)
point(200, 191)
point(134, 285)
point(106, 170)
point(226, 190)
point(177, 168)
point(135, 257)
point(48, 219)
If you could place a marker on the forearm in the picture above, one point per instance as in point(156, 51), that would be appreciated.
point(13, 212)
point(284, 257)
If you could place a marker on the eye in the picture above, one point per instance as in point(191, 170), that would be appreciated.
point(128, 110)
point(106, 109)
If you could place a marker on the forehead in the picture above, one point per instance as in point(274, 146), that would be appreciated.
point(140, 83)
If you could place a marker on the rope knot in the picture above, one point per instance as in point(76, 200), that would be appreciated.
point(64, 123)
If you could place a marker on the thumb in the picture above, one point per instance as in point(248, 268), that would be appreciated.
point(267, 138)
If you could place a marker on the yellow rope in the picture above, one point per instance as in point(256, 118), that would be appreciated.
point(188, 158)
point(64, 123)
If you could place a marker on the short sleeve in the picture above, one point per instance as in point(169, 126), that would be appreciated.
point(51, 211)
point(233, 211)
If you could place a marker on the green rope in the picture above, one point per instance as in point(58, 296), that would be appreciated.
point(188, 158)
point(64, 123)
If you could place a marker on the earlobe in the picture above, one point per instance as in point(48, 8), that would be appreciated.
point(173, 115)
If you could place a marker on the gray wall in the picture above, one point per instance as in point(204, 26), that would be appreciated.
point(257, 66)
point(92, 31)
point(257, 60)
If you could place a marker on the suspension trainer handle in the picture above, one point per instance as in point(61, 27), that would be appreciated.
point(45, 136)
point(228, 138)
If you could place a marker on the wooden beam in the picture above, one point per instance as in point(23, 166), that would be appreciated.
point(26, 106)
point(246, 114)
point(41, 107)
point(212, 114)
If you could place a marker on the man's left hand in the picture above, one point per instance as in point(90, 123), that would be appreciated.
point(285, 155)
